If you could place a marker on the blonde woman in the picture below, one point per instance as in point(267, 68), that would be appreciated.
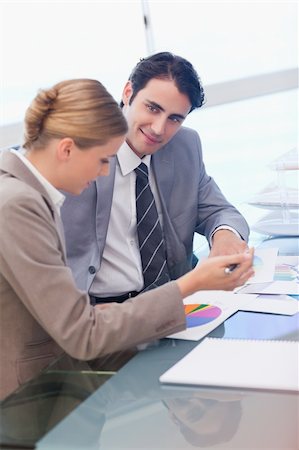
point(72, 130)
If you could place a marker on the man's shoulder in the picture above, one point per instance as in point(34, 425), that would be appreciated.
point(186, 132)
point(185, 137)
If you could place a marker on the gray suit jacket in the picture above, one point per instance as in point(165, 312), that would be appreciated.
point(191, 203)
point(42, 312)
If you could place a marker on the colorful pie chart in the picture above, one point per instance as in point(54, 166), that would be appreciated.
point(199, 314)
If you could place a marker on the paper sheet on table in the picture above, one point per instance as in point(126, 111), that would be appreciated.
point(219, 306)
point(292, 260)
point(275, 287)
point(287, 268)
point(264, 263)
point(273, 304)
point(282, 287)
point(285, 280)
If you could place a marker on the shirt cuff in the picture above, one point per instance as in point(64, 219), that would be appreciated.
point(224, 227)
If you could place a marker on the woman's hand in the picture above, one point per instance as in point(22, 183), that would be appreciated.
point(211, 274)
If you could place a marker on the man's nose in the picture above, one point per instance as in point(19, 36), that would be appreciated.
point(158, 125)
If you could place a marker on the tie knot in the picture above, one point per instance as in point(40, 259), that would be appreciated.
point(142, 170)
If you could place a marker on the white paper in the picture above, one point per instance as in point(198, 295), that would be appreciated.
point(287, 259)
point(276, 287)
point(287, 268)
point(273, 304)
point(264, 262)
point(282, 287)
point(285, 279)
point(238, 363)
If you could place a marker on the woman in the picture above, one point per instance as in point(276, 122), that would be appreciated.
point(71, 132)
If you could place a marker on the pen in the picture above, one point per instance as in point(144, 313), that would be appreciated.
point(230, 268)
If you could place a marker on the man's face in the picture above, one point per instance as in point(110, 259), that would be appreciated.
point(155, 115)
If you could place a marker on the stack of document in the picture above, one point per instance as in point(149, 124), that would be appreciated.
point(282, 222)
point(288, 161)
point(282, 198)
point(274, 198)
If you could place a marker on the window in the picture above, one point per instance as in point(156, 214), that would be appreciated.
point(47, 41)
point(227, 40)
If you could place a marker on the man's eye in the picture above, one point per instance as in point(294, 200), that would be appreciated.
point(151, 108)
point(176, 119)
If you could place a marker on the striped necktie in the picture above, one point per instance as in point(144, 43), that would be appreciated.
point(151, 243)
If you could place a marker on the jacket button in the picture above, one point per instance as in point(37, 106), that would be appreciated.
point(91, 269)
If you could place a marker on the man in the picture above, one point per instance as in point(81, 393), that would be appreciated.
point(101, 224)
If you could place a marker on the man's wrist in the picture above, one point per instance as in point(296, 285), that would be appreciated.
point(223, 227)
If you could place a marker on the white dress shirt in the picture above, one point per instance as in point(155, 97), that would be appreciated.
point(121, 269)
point(56, 196)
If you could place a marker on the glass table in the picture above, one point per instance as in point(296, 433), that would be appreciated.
point(118, 403)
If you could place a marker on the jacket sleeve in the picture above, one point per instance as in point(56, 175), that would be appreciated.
point(213, 209)
point(31, 261)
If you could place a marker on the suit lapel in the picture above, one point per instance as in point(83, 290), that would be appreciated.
point(163, 167)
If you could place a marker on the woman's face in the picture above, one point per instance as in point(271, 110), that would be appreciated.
point(86, 165)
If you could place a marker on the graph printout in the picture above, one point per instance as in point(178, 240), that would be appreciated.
point(263, 265)
point(197, 315)
point(285, 279)
point(205, 310)
point(287, 268)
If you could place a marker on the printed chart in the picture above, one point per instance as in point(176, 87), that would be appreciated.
point(200, 314)
point(263, 265)
point(286, 272)
point(206, 310)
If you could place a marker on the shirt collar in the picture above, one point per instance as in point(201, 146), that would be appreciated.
point(56, 196)
point(128, 160)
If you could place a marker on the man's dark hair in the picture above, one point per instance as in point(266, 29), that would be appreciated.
point(166, 65)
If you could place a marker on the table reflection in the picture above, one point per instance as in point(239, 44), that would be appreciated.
point(36, 407)
point(205, 420)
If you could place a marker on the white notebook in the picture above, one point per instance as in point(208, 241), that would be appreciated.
point(238, 363)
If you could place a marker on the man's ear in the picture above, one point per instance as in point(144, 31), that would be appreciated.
point(127, 93)
point(64, 149)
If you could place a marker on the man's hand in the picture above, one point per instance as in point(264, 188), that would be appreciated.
point(212, 274)
point(226, 242)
